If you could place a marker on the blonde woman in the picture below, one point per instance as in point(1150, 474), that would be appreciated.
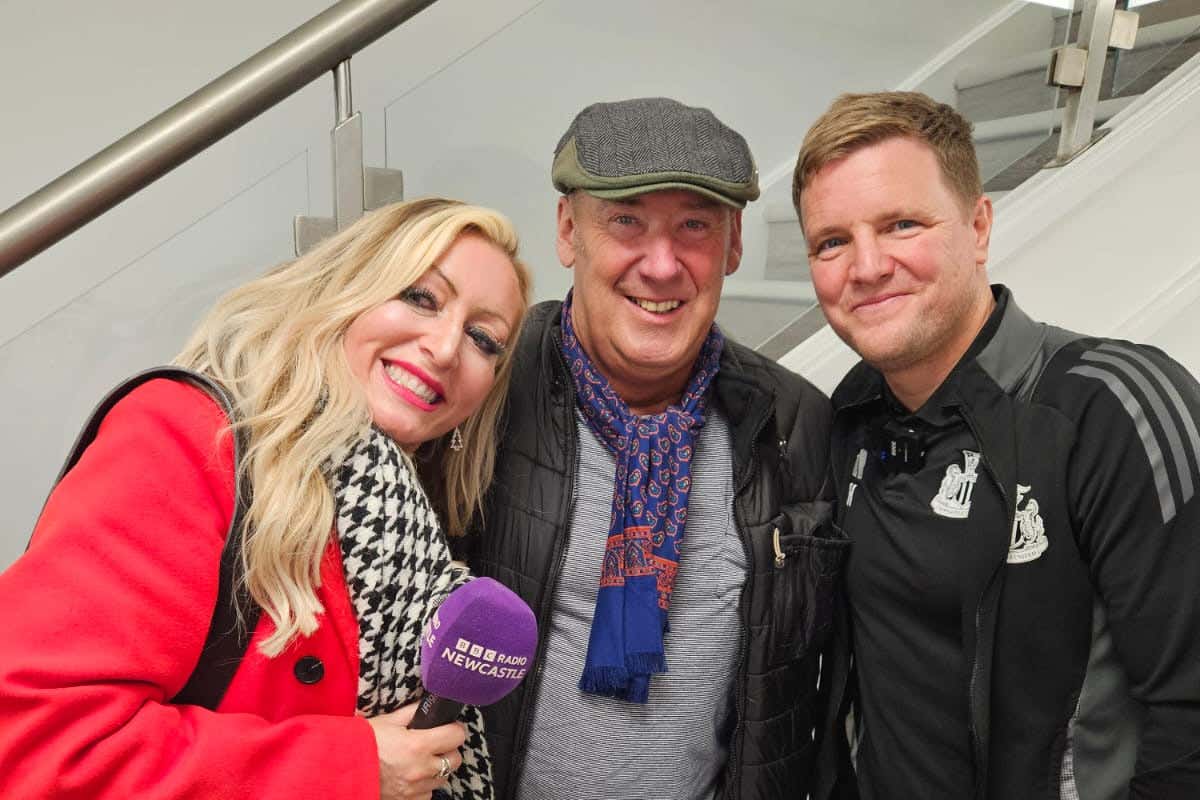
point(387, 345)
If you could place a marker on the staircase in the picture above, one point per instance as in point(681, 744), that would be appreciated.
point(1017, 115)
point(998, 81)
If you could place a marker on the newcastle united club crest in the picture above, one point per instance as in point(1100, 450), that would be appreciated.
point(1028, 532)
point(954, 498)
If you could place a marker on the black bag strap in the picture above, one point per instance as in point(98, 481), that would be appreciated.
point(235, 614)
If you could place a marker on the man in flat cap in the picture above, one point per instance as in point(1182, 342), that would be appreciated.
point(660, 492)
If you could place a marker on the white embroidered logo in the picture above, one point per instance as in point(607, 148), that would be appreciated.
point(1028, 532)
point(856, 473)
point(954, 498)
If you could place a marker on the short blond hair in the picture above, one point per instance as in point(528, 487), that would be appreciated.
point(855, 121)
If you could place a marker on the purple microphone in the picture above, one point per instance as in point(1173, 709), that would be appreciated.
point(477, 647)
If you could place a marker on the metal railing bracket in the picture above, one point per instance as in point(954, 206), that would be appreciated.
point(1068, 64)
point(356, 188)
point(1124, 30)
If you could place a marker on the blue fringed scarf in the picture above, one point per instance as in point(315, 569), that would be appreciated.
point(649, 511)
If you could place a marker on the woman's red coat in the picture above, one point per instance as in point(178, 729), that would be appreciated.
point(104, 617)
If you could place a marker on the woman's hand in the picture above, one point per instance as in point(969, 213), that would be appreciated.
point(411, 761)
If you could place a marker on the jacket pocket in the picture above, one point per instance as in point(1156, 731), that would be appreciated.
point(806, 571)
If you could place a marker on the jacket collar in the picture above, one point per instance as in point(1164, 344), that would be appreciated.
point(747, 404)
point(1006, 349)
point(1007, 355)
point(545, 326)
point(998, 362)
point(744, 399)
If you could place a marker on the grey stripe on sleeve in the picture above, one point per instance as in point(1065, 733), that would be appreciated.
point(1118, 362)
point(1189, 423)
point(1153, 453)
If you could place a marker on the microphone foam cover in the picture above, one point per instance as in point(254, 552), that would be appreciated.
point(479, 643)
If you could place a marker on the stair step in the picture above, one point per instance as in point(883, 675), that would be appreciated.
point(783, 291)
point(753, 322)
point(1012, 146)
point(1023, 167)
point(995, 130)
point(786, 338)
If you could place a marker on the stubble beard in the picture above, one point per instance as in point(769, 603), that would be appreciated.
point(930, 333)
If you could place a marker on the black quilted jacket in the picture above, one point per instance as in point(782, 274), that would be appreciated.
point(779, 428)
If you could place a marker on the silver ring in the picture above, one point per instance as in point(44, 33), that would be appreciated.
point(444, 772)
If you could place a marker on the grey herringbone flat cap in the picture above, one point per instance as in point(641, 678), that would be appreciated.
point(627, 148)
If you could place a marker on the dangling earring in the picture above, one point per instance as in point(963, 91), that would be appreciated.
point(456, 440)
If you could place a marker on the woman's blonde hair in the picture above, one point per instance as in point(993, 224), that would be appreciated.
point(276, 344)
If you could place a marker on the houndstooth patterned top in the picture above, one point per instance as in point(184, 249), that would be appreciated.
point(398, 569)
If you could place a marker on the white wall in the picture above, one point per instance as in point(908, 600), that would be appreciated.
point(1113, 246)
point(468, 99)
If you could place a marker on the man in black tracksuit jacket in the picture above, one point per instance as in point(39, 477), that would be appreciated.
point(1025, 579)
point(650, 223)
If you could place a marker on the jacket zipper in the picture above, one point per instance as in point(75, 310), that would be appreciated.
point(739, 731)
point(534, 681)
point(976, 744)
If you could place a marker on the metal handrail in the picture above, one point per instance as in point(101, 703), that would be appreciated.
point(194, 123)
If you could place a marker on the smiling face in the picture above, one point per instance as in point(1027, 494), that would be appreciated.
point(427, 358)
point(897, 262)
point(648, 277)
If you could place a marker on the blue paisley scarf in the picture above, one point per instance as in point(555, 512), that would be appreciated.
point(649, 511)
